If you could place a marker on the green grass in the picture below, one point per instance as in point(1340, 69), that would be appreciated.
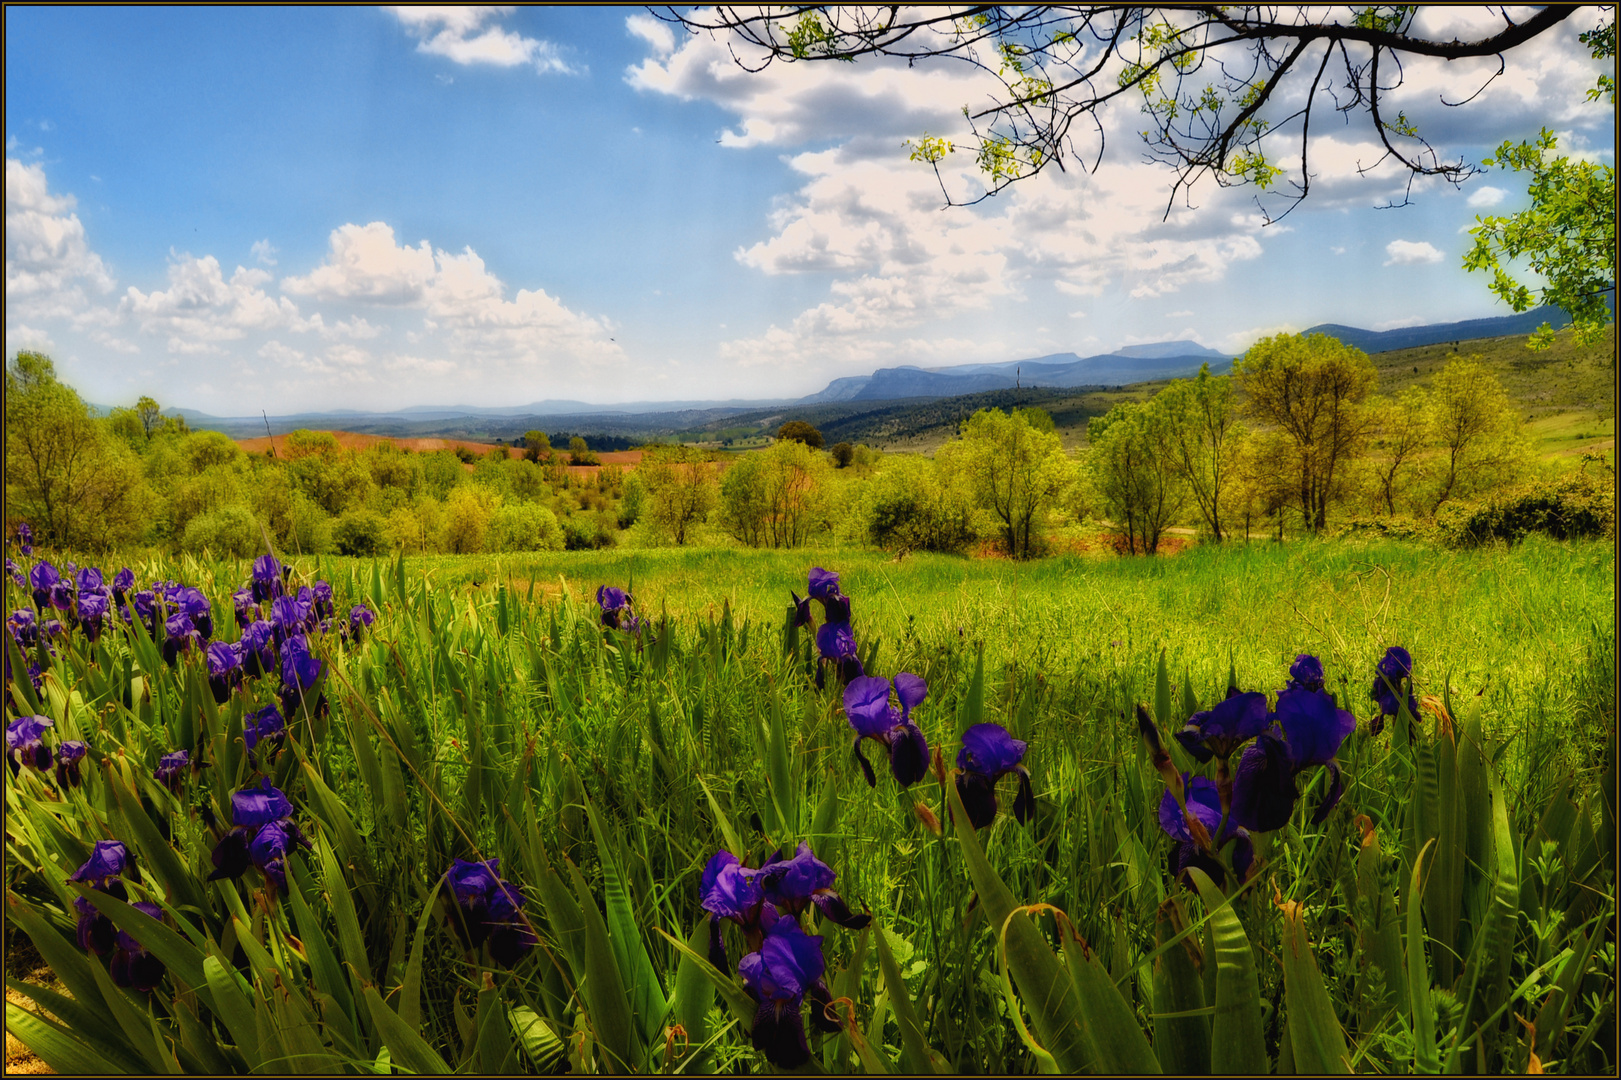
point(1503, 621)
point(492, 684)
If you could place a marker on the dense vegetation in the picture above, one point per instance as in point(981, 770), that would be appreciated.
point(1442, 454)
point(608, 756)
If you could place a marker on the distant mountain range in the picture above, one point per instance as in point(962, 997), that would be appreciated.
point(1130, 364)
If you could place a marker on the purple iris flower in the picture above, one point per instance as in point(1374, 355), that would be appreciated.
point(360, 620)
point(866, 705)
point(1204, 804)
point(729, 890)
point(146, 610)
point(25, 538)
point(24, 627)
point(288, 614)
point(195, 604)
point(802, 612)
point(261, 725)
point(42, 579)
point(258, 648)
point(267, 578)
point(179, 636)
point(487, 908)
point(68, 756)
point(102, 872)
point(321, 599)
point(1306, 673)
point(62, 595)
point(123, 582)
point(89, 580)
point(988, 753)
point(299, 669)
point(1223, 729)
point(1393, 667)
point(14, 572)
point(786, 969)
point(617, 609)
point(824, 584)
point(836, 645)
point(224, 669)
point(171, 770)
point(93, 608)
point(247, 609)
point(25, 742)
point(793, 884)
point(263, 835)
point(1313, 727)
point(132, 966)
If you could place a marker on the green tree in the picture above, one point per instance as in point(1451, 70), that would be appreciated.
point(1476, 431)
point(1204, 436)
point(843, 454)
point(911, 507)
point(801, 431)
point(537, 446)
point(151, 417)
point(65, 473)
point(773, 498)
point(1567, 235)
point(1314, 390)
point(580, 454)
point(522, 526)
point(681, 490)
point(1401, 432)
point(1135, 467)
point(334, 477)
point(1013, 469)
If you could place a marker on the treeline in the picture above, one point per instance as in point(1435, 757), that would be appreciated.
point(1295, 440)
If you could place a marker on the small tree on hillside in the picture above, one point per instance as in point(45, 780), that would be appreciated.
point(1477, 432)
point(681, 489)
point(800, 431)
point(1135, 469)
point(773, 498)
point(843, 454)
point(537, 446)
point(1313, 389)
point(1015, 470)
point(580, 454)
point(1401, 431)
point(1204, 435)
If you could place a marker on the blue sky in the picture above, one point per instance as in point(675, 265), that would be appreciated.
point(306, 208)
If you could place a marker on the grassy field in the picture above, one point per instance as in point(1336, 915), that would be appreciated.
point(487, 714)
point(1509, 622)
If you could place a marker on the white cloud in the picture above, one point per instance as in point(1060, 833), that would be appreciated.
point(460, 35)
point(364, 263)
point(656, 32)
point(1179, 314)
point(48, 257)
point(1238, 342)
point(19, 336)
point(1337, 249)
point(1487, 196)
point(201, 309)
point(1397, 324)
point(265, 252)
point(1411, 253)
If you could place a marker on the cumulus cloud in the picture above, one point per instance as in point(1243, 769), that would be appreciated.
point(48, 256)
point(460, 34)
point(265, 252)
point(1487, 196)
point(656, 32)
point(1397, 324)
point(201, 308)
point(1411, 253)
point(364, 263)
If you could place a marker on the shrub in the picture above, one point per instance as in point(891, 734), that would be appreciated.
point(1397, 527)
point(910, 510)
point(360, 532)
point(524, 527)
point(1576, 506)
point(580, 454)
point(800, 431)
point(586, 534)
point(467, 520)
point(229, 530)
point(465, 455)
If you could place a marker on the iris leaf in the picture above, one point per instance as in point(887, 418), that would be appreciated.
point(1238, 1045)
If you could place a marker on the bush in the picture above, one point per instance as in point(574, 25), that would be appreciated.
point(360, 532)
point(1399, 527)
point(467, 520)
point(911, 510)
point(586, 534)
point(1576, 506)
point(524, 527)
point(229, 530)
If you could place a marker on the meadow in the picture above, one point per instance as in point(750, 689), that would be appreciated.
point(1463, 878)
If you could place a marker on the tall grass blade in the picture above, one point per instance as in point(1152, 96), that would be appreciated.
point(1181, 1023)
point(630, 954)
point(914, 1046)
point(1237, 1043)
point(1314, 1034)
